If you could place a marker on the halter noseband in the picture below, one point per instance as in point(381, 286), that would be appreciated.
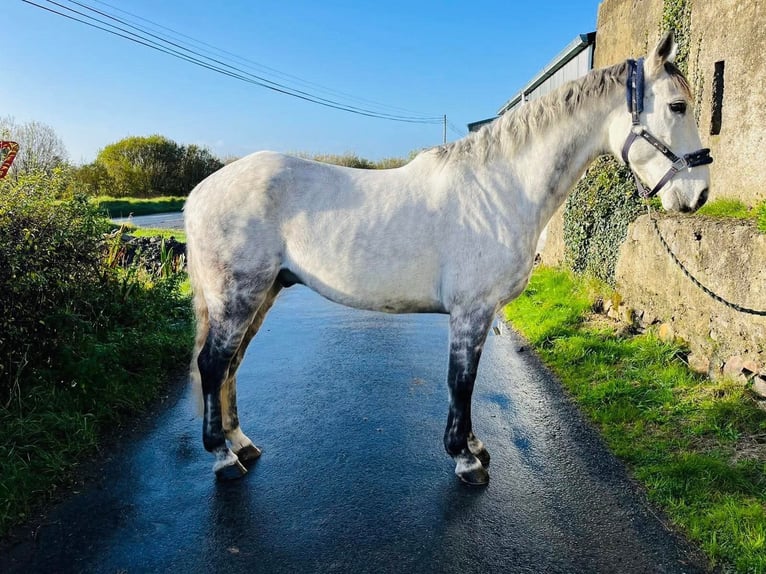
point(635, 97)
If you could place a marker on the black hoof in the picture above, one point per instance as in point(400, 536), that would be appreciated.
point(474, 477)
point(231, 471)
point(248, 454)
point(470, 470)
point(476, 447)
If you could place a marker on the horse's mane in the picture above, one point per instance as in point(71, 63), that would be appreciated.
point(512, 130)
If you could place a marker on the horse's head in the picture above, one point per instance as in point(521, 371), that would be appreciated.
point(663, 143)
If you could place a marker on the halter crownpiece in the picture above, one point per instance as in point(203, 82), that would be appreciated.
point(635, 98)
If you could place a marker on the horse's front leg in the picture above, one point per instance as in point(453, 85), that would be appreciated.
point(468, 331)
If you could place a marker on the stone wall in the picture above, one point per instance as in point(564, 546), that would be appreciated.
point(726, 257)
point(626, 29)
point(732, 32)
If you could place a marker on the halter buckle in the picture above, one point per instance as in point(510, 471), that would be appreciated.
point(680, 164)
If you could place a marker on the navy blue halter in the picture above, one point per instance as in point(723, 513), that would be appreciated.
point(635, 98)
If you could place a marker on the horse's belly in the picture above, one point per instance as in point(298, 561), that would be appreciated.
point(402, 288)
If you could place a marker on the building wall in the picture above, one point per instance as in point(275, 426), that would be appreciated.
point(575, 68)
point(626, 29)
point(733, 31)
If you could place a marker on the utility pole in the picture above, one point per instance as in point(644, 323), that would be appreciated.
point(444, 130)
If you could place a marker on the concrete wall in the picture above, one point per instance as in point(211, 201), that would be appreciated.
point(732, 31)
point(626, 29)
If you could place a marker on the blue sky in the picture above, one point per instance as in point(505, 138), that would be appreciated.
point(463, 59)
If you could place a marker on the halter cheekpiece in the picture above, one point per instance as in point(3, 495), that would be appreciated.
point(635, 98)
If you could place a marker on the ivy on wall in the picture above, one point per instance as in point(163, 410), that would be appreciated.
point(676, 16)
point(596, 218)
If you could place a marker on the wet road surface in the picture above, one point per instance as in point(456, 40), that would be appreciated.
point(349, 408)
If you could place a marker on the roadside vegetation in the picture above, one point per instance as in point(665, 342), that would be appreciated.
point(697, 446)
point(353, 160)
point(85, 341)
point(152, 166)
point(177, 234)
point(728, 208)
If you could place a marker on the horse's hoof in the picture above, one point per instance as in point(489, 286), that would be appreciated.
point(470, 470)
point(231, 471)
point(248, 453)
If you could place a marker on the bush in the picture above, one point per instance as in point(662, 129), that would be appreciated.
point(84, 340)
point(148, 167)
point(49, 267)
point(60, 298)
point(596, 218)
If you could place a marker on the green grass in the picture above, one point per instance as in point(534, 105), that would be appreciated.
point(178, 234)
point(126, 206)
point(698, 446)
point(732, 208)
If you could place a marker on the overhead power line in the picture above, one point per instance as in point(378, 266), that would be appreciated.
point(457, 131)
point(252, 64)
point(178, 50)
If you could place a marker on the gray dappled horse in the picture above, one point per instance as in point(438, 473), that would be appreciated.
point(454, 231)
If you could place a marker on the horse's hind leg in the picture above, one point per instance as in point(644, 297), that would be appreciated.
point(228, 324)
point(468, 331)
point(239, 443)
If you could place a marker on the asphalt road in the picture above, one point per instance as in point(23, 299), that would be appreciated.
point(349, 408)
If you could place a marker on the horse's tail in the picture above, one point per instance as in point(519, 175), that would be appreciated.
point(202, 326)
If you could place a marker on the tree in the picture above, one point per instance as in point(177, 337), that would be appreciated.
point(40, 148)
point(141, 166)
point(154, 166)
point(197, 164)
point(92, 179)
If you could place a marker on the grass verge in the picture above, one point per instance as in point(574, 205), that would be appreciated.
point(699, 447)
point(126, 206)
point(177, 234)
point(724, 207)
point(102, 376)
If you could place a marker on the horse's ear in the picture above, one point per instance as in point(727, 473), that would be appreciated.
point(665, 51)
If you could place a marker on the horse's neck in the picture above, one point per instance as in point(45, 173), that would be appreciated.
point(554, 158)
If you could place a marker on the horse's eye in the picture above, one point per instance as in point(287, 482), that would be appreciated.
point(678, 107)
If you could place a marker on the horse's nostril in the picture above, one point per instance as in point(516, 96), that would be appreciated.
point(703, 197)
